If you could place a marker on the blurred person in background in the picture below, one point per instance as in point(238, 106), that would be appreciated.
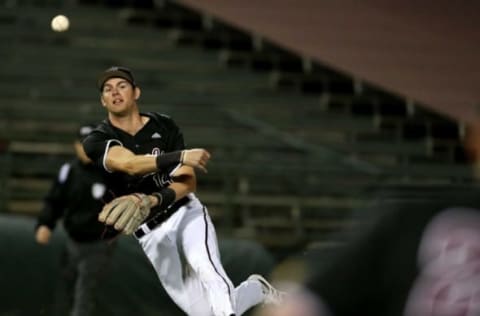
point(418, 255)
point(77, 196)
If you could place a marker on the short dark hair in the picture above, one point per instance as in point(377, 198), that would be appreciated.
point(115, 72)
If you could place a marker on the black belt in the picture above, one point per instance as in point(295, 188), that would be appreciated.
point(161, 216)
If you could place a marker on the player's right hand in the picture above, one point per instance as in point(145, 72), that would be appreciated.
point(196, 158)
point(43, 234)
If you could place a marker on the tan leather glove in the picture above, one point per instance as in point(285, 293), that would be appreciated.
point(126, 213)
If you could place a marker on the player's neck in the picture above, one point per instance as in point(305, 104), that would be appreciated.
point(130, 124)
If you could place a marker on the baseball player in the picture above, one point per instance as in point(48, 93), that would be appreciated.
point(152, 175)
point(77, 196)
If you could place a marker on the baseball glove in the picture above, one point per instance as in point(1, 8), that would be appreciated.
point(126, 213)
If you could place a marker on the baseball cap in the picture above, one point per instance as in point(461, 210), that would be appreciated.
point(84, 130)
point(115, 72)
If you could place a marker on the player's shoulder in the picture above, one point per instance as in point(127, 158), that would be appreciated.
point(104, 127)
point(161, 119)
point(102, 130)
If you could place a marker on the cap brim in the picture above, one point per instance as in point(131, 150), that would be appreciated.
point(112, 74)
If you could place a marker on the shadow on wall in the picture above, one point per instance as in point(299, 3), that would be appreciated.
point(28, 273)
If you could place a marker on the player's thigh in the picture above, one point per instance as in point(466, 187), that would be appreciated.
point(199, 239)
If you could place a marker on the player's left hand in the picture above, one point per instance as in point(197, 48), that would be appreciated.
point(126, 213)
point(197, 158)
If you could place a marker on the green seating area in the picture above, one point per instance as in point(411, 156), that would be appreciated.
point(295, 150)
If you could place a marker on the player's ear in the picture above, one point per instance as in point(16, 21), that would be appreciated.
point(104, 104)
point(138, 92)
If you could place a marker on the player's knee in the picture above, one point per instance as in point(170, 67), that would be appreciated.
point(213, 278)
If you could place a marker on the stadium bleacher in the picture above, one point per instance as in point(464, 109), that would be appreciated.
point(296, 147)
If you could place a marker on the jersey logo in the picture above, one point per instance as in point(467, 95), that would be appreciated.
point(156, 135)
point(162, 180)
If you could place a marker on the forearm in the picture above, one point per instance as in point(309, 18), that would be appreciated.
point(140, 165)
point(184, 181)
point(183, 188)
point(183, 185)
point(137, 165)
point(122, 160)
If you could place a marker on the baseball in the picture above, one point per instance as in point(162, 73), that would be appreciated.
point(60, 23)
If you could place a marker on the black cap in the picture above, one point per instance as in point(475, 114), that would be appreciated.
point(84, 130)
point(115, 72)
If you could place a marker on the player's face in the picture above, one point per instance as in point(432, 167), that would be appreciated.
point(119, 96)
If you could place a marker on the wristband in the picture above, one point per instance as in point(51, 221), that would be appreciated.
point(166, 160)
point(165, 197)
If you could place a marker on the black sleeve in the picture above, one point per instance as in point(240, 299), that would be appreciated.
point(56, 199)
point(96, 145)
point(175, 139)
point(167, 126)
point(175, 142)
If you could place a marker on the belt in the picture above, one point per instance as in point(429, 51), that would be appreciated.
point(160, 217)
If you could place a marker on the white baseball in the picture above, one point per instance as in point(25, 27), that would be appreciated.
point(60, 23)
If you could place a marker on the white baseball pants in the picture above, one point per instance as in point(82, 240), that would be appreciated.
point(184, 253)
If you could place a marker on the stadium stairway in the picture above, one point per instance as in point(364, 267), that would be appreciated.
point(297, 146)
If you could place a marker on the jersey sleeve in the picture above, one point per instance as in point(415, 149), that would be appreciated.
point(96, 146)
point(175, 142)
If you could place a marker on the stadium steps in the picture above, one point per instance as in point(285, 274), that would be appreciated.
point(294, 73)
point(187, 67)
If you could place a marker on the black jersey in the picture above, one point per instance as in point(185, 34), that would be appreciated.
point(159, 135)
point(77, 195)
